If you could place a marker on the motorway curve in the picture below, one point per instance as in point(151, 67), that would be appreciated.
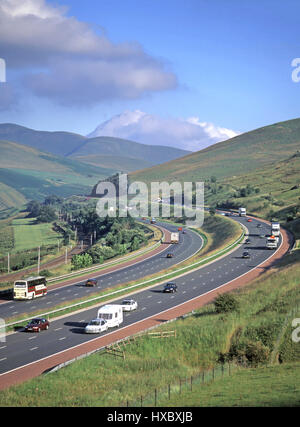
point(24, 350)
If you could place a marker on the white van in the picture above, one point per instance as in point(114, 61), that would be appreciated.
point(112, 313)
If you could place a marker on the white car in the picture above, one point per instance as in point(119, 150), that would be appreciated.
point(96, 326)
point(129, 305)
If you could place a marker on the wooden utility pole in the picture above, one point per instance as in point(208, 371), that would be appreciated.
point(39, 259)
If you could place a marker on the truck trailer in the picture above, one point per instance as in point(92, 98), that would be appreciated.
point(174, 237)
point(272, 242)
point(275, 229)
point(242, 211)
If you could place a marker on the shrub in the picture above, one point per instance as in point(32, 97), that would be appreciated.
point(225, 303)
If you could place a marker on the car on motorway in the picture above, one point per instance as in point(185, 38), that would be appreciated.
point(259, 225)
point(170, 287)
point(170, 255)
point(249, 220)
point(91, 282)
point(247, 241)
point(246, 254)
point(129, 305)
point(96, 326)
point(37, 324)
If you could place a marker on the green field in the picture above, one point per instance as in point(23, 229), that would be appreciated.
point(28, 235)
point(268, 386)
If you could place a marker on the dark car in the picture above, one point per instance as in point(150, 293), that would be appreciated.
point(170, 287)
point(91, 282)
point(170, 255)
point(259, 225)
point(247, 241)
point(246, 255)
point(36, 325)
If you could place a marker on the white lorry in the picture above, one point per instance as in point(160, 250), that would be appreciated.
point(272, 242)
point(242, 211)
point(275, 229)
point(174, 237)
point(112, 313)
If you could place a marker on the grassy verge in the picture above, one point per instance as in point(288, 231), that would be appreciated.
point(269, 386)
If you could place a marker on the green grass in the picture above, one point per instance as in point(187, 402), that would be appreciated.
point(28, 235)
point(267, 386)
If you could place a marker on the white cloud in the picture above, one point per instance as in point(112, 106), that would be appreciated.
point(67, 61)
point(189, 134)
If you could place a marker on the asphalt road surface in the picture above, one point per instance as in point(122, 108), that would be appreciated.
point(22, 348)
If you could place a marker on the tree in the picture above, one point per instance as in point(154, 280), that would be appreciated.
point(212, 211)
point(81, 261)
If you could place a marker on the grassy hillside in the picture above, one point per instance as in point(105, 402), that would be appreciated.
point(109, 146)
point(68, 144)
point(27, 173)
point(118, 163)
point(271, 191)
point(60, 143)
point(236, 156)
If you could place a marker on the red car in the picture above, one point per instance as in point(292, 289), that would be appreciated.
point(249, 220)
point(36, 325)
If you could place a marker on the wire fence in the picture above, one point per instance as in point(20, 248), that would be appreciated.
point(187, 384)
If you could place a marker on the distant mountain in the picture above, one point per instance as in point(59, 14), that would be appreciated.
point(60, 143)
point(125, 149)
point(98, 151)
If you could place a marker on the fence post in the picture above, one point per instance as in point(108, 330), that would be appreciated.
point(191, 382)
point(155, 397)
point(169, 391)
point(141, 401)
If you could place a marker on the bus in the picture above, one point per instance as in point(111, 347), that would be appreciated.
point(30, 288)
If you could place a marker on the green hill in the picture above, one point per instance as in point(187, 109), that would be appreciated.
point(273, 190)
point(60, 143)
point(234, 157)
point(68, 144)
point(27, 173)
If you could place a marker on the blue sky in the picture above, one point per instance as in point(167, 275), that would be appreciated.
point(227, 63)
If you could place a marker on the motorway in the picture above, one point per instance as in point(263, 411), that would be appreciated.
point(67, 332)
point(189, 244)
